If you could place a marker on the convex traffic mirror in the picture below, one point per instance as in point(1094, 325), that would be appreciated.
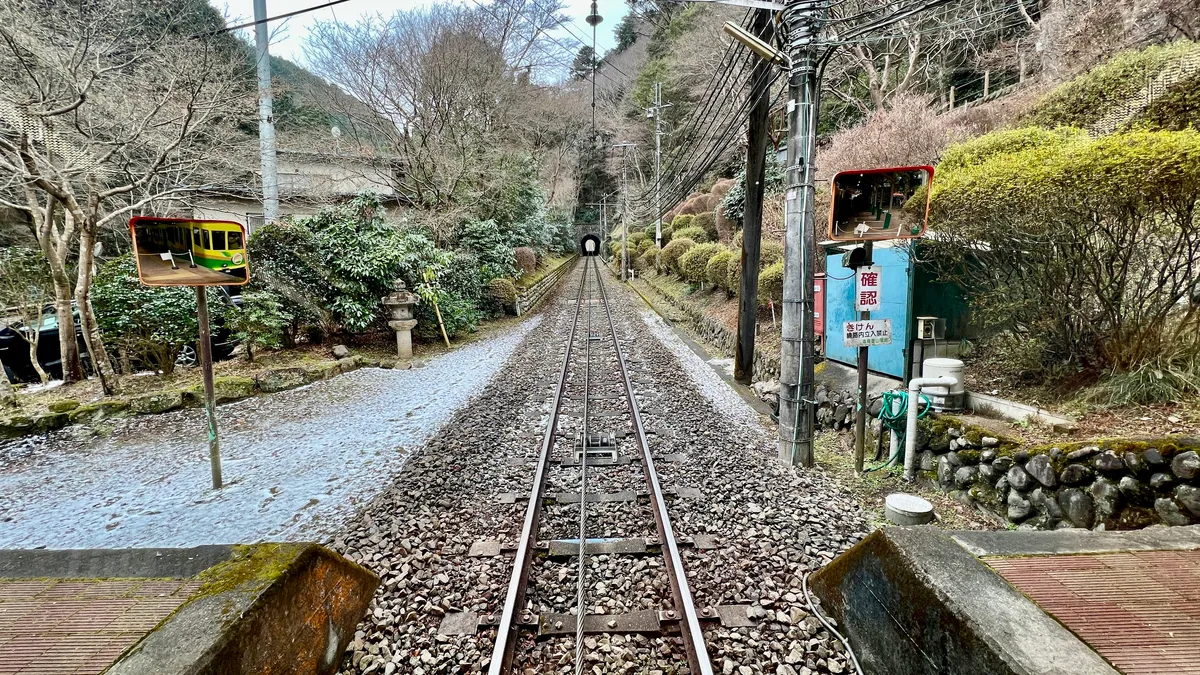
point(878, 204)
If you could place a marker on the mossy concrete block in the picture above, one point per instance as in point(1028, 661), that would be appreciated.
point(351, 363)
point(94, 412)
point(264, 608)
point(282, 379)
point(321, 371)
point(65, 405)
point(17, 426)
point(225, 389)
point(51, 421)
point(269, 608)
point(943, 603)
point(160, 402)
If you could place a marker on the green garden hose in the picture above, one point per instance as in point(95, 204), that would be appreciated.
point(896, 422)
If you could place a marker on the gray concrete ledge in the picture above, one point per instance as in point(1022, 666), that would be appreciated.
point(1060, 542)
point(128, 563)
point(912, 601)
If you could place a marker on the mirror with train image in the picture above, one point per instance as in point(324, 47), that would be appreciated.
point(874, 204)
point(182, 252)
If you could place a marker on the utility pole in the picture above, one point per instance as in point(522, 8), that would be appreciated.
point(593, 20)
point(756, 165)
point(796, 363)
point(266, 117)
point(656, 111)
point(624, 147)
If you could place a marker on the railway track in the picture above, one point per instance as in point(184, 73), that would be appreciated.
point(597, 520)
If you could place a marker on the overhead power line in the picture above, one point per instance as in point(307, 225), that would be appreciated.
point(278, 17)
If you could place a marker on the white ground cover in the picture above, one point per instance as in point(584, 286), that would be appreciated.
point(296, 464)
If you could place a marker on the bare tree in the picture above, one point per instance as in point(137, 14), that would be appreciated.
point(443, 89)
point(107, 108)
point(913, 56)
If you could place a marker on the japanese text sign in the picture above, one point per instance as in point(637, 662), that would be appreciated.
point(868, 333)
point(868, 288)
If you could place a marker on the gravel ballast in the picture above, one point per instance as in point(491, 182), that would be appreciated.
point(772, 523)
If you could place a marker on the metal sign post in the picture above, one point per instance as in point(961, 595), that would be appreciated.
point(215, 251)
point(210, 397)
point(866, 298)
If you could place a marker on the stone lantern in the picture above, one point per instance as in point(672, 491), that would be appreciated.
point(400, 304)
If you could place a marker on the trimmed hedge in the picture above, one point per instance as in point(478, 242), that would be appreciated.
point(668, 259)
point(696, 234)
point(648, 260)
point(708, 222)
point(681, 221)
point(717, 270)
point(1082, 101)
point(770, 283)
point(694, 263)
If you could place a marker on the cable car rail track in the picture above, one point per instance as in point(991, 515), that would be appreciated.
point(681, 619)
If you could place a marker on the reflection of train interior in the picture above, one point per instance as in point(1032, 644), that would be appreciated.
point(190, 252)
point(870, 205)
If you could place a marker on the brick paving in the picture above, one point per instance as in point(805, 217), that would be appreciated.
point(58, 626)
point(1139, 610)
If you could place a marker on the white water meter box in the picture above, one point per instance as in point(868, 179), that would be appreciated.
point(945, 399)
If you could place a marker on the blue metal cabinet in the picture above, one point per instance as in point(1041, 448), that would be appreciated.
point(897, 299)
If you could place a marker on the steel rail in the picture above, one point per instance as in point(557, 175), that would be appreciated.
point(693, 636)
point(506, 632)
point(581, 590)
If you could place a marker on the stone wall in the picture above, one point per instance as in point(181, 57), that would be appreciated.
point(1118, 483)
point(708, 329)
point(227, 388)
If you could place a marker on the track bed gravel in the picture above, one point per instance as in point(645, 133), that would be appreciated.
point(773, 524)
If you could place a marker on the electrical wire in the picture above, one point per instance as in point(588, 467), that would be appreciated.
point(812, 607)
point(277, 17)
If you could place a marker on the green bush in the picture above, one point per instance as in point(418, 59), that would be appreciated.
point(694, 262)
point(681, 221)
point(737, 239)
point(668, 259)
point(503, 295)
point(260, 322)
point(497, 258)
point(770, 283)
point(770, 252)
point(1177, 108)
point(708, 222)
point(152, 324)
point(734, 201)
point(717, 270)
point(696, 234)
point(666, 233)
point(1122, 208)
point(648, 260)
point(1082, 101)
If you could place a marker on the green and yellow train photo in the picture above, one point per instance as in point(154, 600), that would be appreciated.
point(182, 252)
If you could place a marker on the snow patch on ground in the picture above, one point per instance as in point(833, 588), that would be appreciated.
point(296, 464)
point(702, 373)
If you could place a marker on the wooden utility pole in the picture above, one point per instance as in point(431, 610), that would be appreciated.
point(756, 164)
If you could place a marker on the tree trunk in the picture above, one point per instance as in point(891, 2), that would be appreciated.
point(68, 347)
point(87, 317)
point(33, 347)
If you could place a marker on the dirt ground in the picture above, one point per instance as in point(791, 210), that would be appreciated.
point(835, 455)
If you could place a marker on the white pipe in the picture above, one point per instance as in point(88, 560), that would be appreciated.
point(910, 433)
